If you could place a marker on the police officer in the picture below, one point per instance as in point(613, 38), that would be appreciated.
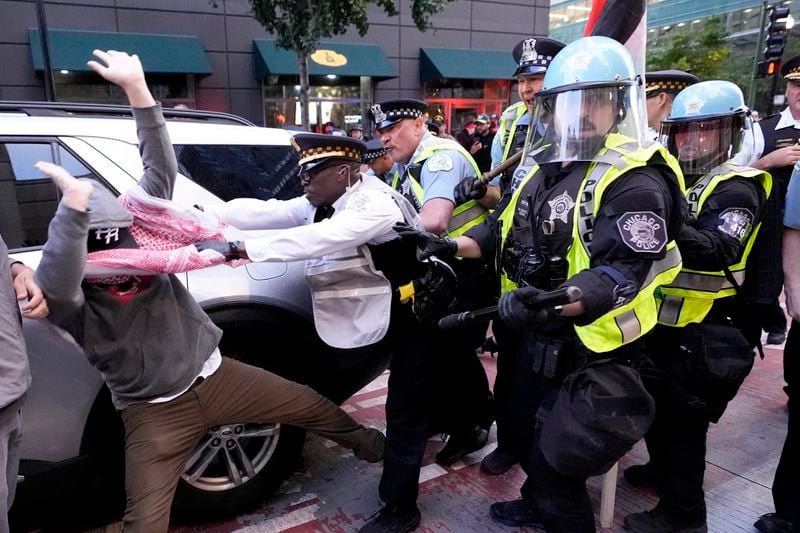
point(597, 208)
point(786, 518)
point(532, 57)
point(377, 160)
point(776, 148)
point(660, 88)
point(342, 225)
point(704, 130)
point(425, 171)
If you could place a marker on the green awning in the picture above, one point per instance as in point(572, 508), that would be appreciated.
point(455, 63)
point(329, 58)
point(159, 53)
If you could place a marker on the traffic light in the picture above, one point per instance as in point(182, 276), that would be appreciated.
point(775, 42)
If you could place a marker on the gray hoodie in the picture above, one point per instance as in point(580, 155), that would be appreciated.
point(15, 376)
point(148, 339)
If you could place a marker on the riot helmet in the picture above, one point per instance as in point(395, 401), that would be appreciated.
point(706, 126)
point(590, 90)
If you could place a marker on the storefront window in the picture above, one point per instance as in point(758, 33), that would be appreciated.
point(340, 100)
point(459, 102)
point(169, 89)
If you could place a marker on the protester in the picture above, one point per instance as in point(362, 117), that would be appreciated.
point(155, 348)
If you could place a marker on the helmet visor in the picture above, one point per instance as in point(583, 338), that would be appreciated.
point(702, 145)
point(576, 123)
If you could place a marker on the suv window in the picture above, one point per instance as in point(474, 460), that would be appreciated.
point(241, 171)
point(28, 200)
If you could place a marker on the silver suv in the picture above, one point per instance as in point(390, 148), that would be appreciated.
point(73, 437)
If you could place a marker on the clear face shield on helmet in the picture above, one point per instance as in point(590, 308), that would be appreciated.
point(577, 122)
point(702, 145)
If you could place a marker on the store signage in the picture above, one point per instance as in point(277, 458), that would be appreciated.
point(329, 58)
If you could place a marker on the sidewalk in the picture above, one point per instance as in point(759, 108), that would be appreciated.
point(334, 492)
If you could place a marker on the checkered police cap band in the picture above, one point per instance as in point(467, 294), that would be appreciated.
point(372, 155)
point(666, 86)
point(320, 152)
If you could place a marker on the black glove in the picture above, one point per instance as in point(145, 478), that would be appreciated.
point(517, 315)
point(435, 292)
point(469, 189)
point(428, 243)
point(229, 249)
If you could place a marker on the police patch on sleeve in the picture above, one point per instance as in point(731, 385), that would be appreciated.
point(439, 162)
point(643, 231)
point(359, 203)
point(736, 222)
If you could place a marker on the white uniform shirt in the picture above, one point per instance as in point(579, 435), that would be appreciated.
point(363, 215)
point(753, 144)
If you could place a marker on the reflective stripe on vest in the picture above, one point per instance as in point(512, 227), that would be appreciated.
point(691, 295)
point(511, 114)
point(628, 322)
point(464, 216)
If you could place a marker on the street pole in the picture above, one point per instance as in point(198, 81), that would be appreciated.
point(49, 83)
point(751, 95)
point(772, 93)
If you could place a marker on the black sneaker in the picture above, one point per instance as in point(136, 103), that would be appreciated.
point(516, 513)
point(771, 523)
point(640, 475)
point(657, 521)
point(393, 519)
point(498, 462)
point(460, 445)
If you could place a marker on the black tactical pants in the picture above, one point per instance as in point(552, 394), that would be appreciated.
point(676, 441)
point(562, 501)
point(516, 400)
point(421, 357)
point(785, 491)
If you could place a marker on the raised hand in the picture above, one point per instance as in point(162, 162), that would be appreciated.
point(75, 193)
point(125, 70)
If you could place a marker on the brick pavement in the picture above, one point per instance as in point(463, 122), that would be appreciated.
point(333, 492)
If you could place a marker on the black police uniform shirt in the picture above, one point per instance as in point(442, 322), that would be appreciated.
point(547, 204)
point(717, 237)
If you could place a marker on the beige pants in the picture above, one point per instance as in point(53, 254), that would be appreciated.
point(160, 437)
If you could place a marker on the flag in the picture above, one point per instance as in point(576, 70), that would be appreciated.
point(622, 20)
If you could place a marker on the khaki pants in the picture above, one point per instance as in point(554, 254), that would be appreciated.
point(160, 437)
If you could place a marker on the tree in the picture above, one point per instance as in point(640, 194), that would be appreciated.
point(299, 25)
point(705, 53)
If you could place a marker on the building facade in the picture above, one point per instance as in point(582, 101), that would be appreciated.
point(212, 54)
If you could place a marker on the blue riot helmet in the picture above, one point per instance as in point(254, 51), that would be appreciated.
point(706, 125)
point(590, 90)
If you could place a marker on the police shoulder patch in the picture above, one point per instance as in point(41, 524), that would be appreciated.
point(439, 162)
point(736, 222)
point(643, 231)
point(359, 203)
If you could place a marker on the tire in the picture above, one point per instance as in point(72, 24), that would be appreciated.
point(210, 491)
point(235, 467)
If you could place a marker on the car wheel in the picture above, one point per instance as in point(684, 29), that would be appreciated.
point(234, 467)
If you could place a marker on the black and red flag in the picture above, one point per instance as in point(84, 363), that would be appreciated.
point(624, 21)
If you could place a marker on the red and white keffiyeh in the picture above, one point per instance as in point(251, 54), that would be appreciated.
point(165, 233)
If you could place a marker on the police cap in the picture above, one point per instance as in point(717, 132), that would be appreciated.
point(375, 150)
point(668, 81)
point(534, 55)
point(791, 69)
point(390, 112)
point(315, 148)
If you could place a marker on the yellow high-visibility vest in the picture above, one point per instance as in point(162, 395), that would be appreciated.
point(464, 216)
point(630, 321)
point(691, 295)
